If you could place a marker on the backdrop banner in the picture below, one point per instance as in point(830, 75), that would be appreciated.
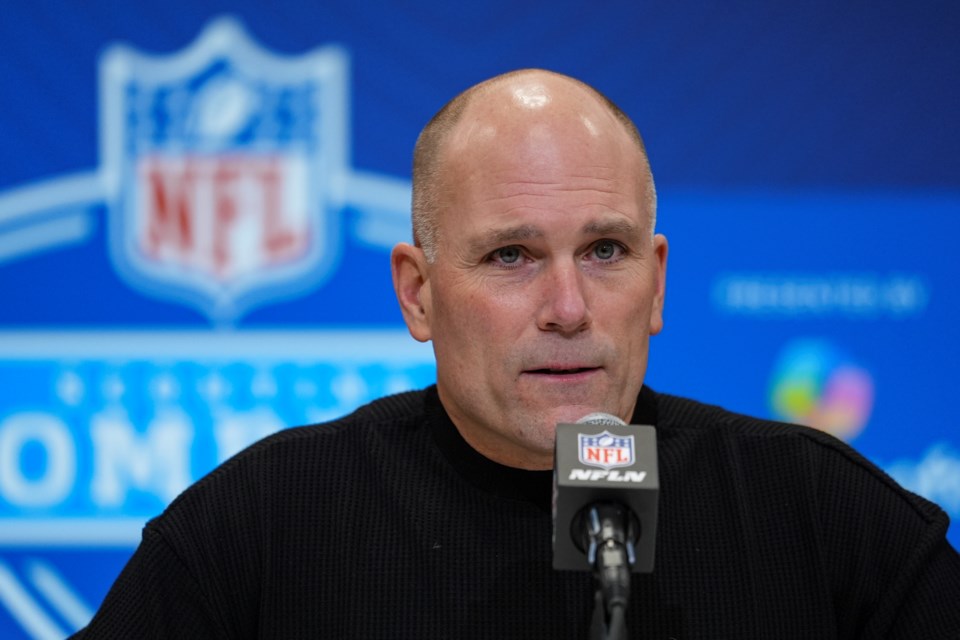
point(197, 209)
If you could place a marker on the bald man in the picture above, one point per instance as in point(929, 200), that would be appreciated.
point(537, 275)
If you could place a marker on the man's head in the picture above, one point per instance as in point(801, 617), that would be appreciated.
point(427, 196)
point(536, 272)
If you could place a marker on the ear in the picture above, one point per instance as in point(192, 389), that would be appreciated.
point(660, 250)
point(408, 266)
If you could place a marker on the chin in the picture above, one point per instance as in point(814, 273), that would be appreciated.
point(570, 414)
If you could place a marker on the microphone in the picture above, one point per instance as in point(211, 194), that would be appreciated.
point(605, 493)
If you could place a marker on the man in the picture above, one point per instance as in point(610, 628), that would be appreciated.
point(538, 277)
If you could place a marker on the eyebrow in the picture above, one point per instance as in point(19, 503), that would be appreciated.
point(611, 227)
point(510, 235)
point(499, 237)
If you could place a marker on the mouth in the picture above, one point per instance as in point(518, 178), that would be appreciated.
point(562, 372)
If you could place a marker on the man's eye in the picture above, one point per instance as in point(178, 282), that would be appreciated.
point(508, 255)
point(606, 250)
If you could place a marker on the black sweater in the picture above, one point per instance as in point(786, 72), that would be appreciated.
point(386, 524)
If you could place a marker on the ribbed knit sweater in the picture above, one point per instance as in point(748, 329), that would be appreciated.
point(386, 524)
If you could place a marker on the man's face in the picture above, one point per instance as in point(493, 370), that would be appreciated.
point(547, 283)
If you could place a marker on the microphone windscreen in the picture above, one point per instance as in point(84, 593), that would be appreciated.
point(601, 418)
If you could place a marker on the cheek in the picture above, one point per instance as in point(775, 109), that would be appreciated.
point(460, 324)
point(483, 325)
point(626, 320)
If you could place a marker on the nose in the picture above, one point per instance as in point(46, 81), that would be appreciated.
point(564, 308)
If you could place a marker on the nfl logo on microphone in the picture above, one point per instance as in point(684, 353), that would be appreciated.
point(606, 450)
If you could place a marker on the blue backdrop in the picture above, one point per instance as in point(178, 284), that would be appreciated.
point(197, 201)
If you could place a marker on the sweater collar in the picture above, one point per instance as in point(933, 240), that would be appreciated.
point(503, 481)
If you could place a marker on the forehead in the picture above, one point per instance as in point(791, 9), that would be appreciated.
point(535, 119)
point(502, 172)
point(530, 109)
point(535, 146)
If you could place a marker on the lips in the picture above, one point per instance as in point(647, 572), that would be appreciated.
point(561, 371)
point(564, 361)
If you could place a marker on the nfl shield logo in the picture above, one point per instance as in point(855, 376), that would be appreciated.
point(606, 450)
point(224, 167)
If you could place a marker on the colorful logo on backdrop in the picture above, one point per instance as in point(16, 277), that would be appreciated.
point(224, 167)
point(816, 384)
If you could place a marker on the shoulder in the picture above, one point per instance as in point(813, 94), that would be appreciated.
point(292, 458)
point(679, 413)
point(782, 454)
point(803, 508)
point(385, 416)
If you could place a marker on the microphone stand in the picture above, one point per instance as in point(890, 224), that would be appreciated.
point(611, 554)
